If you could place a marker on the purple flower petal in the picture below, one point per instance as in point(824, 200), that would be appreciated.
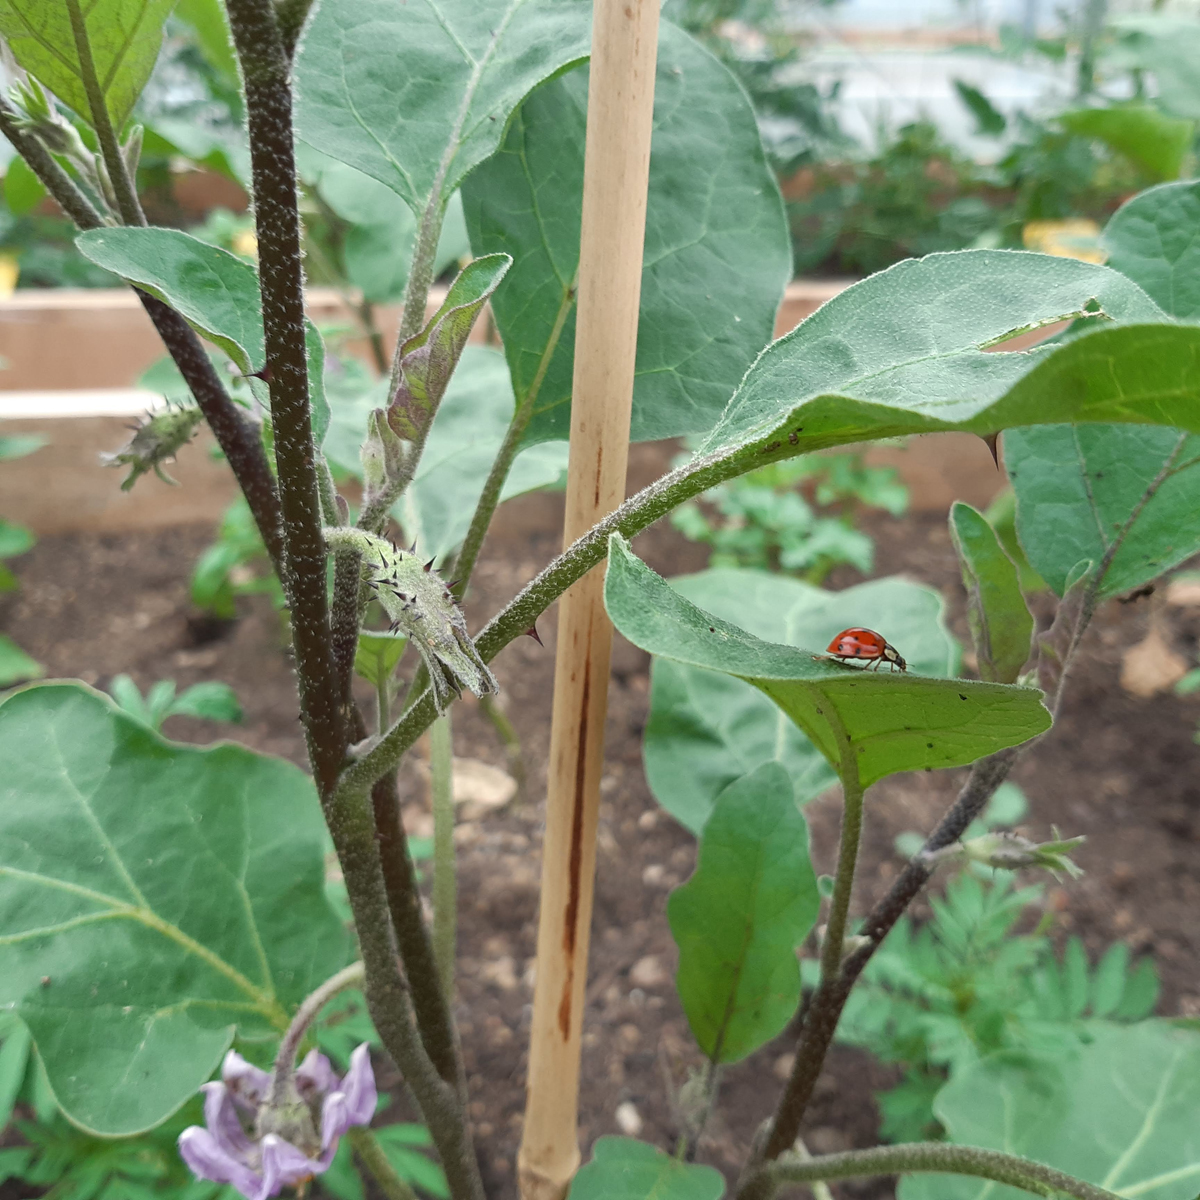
point(283, 1164)
point(315, 1077)
point(246, 1082)
point(220, 1115)
point(206, 1160)
point(359, 1087)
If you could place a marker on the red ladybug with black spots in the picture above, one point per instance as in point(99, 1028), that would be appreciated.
point(869, 645)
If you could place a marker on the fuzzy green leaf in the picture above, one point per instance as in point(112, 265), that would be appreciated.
point(1154, 239)
point(894, 722)
point(1000, 621)
point(1142, 132)
point(717, 253)
point(214, 291)
point(125, 37)
point(740, 918)
point(428, 359)
point(906, 351)
point(1119, 1112)
point(1079, 491)
point(707, 729)
point(624, 1169)
point(416, 95)
point(155, 899)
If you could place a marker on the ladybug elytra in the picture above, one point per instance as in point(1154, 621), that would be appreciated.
point(866, 644)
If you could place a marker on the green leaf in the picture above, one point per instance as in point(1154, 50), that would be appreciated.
point(624, 1169)
point(211, 27)
point(716, 248)
point(128, 696)
point(1079, 487)
point(377, 655)
point(14, 539)
point(1140, 994)
point(156, 899)
point(212, 701)
point(902, 722)
point(1155, 240)
point(988, 118)
point(402, 1145)
point(467, 431)
point(14, 1060)
point(1108, 982)
point(1000, 622)
point(214, 291)
point(125, 37)
point(428, 359)
point(740, 918)
point(416, 95)
point(1075, 978)
point(1167, 46)
point(1119, 1112)
point(1143, 133)
point(706, 729)
point(15, 665)
point(23, 190)
point(906, 351)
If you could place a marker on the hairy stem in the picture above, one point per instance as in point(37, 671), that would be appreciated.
point(940, 1158)
point(352, 824)
point(412, 934)
point(823, 1014)
point(265, 71)
point(370, 1153)
point(445, 888)
point(291, 15)
point(489, 498)
point(110, 148)
point(306, 1014)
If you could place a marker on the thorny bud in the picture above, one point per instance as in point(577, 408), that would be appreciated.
point(1011, 852)
point(156, 441)
point(421, 606)
point(260, 1141)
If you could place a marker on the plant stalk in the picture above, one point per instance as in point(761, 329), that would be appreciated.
point(265, 71)
point(306, 1014)
point(366, 1145)
point(128, 207)
point(445, 887)
point(430, 1003)
point(938, 1157)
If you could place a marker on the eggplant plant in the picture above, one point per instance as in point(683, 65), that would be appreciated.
point(163, 909)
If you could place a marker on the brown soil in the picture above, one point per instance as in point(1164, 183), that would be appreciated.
point(1118, 768)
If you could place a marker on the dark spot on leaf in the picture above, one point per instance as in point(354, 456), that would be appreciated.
point(928, 745)
point(711, 629)
point(961, 696)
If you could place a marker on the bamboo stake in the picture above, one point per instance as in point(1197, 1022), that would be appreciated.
point(616, 171)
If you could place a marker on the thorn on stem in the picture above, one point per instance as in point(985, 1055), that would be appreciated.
point(533, 633)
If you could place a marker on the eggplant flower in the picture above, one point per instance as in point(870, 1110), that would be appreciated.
point(261, 1145)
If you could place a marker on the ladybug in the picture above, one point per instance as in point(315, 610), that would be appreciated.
point(866, 643)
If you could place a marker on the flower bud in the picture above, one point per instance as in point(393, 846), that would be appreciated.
point(1011, 852)
point(421, 606)
point(155, 442)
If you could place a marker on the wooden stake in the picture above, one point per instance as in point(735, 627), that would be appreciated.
point(616, 171)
